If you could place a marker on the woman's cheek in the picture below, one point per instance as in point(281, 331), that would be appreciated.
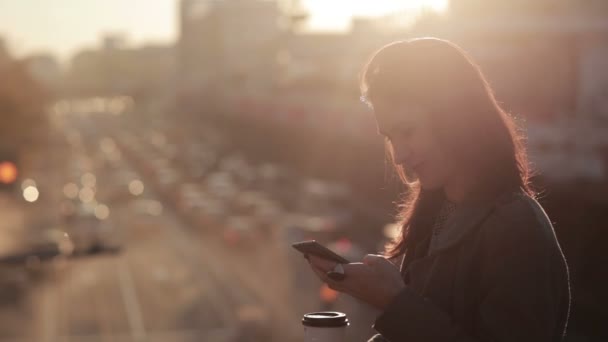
point(430, 176)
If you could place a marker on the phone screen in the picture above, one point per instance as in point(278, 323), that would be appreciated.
point(312, 247)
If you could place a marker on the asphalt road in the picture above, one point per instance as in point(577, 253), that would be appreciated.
point(169, 282)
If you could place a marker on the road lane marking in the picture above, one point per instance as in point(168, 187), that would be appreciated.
point(127, 290)
point(49, 310)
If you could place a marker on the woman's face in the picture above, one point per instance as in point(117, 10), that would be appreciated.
point(415, 147)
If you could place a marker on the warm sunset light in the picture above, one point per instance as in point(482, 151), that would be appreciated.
point(335, 15)
point(303, 170)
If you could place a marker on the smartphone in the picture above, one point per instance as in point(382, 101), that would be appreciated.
point(312, 247)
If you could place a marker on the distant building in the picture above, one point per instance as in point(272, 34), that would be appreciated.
point(44, 69)
point(326, 57)
point(114, 42)
point(228, 43)
point(198, 45)
point(519, 8)
point(334, 59)
point(116, 69)
point(4, 53)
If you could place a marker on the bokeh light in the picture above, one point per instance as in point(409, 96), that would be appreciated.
point(70, 190)
point(8, 172)
point(88, 180)
point(102, 211)
point(86, 195)
point(136, 187)
point(31, 194)
point(155, 208)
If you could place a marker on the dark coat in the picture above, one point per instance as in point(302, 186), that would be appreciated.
point(499, 275)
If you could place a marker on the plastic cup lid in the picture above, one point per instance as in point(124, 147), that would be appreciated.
point(325, 319)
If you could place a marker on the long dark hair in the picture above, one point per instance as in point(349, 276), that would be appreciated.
point(465, 117)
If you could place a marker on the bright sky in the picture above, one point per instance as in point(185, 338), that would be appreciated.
point(336, 14)
point(64, 26)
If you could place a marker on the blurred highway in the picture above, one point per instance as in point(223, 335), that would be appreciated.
point(139, 272)
point(159, 233)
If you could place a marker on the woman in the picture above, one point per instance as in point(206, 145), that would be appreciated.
point(479, 257)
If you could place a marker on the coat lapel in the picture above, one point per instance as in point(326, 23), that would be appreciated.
point(465, 218)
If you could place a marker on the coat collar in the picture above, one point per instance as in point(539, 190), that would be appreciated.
point(467, 216)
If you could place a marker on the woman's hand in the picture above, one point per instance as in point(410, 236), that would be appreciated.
point(375, 281)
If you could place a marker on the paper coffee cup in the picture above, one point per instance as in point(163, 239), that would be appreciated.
point(325, 326)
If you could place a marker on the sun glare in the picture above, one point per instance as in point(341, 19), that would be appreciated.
point(336, 14)
point(437, 5)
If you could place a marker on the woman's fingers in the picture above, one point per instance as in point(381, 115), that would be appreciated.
point(334, 285)
point(367, 281)
point(319, 273)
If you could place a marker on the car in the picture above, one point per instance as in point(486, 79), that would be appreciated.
point(88, 228)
